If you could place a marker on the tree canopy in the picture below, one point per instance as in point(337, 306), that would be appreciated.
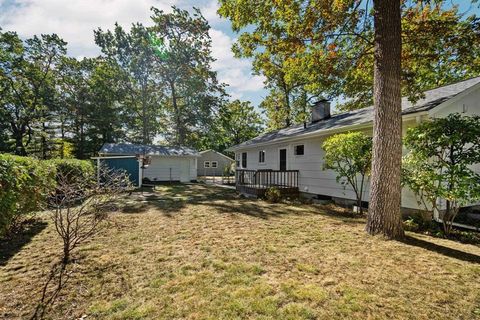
point(149, 84)
point(326, 49)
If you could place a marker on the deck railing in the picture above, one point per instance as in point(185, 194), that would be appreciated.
point(256, 182)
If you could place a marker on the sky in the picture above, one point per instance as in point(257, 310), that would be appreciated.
point(74, 21)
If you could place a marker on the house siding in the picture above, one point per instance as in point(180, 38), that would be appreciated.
point(171, 169)
point(316, 181)
point(210, 156)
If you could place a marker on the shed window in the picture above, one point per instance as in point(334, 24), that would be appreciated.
point(261, 156)
point(244, 160)
point(214, 164)
point(299, 150)
point(206, 164)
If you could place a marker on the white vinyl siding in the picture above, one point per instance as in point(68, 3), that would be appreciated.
point(313, 179)
point(171, 169)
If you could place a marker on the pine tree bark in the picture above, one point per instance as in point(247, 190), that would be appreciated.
point(385, 193)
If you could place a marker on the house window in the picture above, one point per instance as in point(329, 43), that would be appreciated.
point(244, 160)
point(237, 160)
point(214, 164)
point(206, 164)
point(261, 156)
point(299, 150)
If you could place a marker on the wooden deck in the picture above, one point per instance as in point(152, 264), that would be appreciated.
point(256, 182)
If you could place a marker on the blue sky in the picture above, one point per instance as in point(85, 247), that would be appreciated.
point(75, 20)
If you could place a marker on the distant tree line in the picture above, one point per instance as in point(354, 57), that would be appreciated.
point(149, 84)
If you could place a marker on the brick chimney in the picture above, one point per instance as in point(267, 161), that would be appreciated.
point(320, 110)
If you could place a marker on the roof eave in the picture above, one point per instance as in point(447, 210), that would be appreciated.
point(319, 133)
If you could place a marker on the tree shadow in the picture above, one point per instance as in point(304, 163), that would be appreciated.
point(56, 281)
point(248, 208)
point(446, 251)
point(9, 247)
point(172, 198)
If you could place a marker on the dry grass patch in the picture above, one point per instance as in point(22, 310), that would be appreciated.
point(198, 252)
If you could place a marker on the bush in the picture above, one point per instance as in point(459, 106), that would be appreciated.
point(273, 195)
point(24, 185)
point(26, 182)
point(73, 169)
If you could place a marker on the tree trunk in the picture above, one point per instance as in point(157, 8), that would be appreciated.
point(18, 135)
point(384, 210)
point(145, 131)
point(180, 137)
point(288, 112)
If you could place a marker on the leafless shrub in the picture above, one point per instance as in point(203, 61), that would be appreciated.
point(80, 205)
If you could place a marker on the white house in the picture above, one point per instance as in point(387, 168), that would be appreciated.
point(166, 163)
point(299, 147)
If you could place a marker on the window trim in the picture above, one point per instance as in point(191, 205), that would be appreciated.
point(295, 150)
point(206, 164)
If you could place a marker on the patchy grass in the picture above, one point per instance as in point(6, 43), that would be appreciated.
point(199, 252)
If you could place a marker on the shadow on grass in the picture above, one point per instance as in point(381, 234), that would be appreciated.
point(250, 209)
point(10, 246)
point(169, 199)
point(446, 251)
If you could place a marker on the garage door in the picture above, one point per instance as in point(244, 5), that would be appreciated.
point(163, 169)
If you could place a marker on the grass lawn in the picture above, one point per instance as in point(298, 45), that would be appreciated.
point(198, 252)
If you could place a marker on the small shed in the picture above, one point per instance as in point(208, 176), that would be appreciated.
point(213, 163)
point(173, 164)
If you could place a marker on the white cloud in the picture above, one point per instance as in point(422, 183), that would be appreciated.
point(75, 21)
point(209, 11)
point(236, 72)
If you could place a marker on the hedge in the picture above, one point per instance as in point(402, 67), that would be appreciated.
point(73, 169)
point(25, 184)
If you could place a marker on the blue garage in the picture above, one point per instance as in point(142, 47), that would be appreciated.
point(127, 163)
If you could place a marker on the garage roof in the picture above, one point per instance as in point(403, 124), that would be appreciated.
point(152, 150)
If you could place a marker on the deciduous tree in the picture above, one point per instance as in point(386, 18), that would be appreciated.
point(28, 78)
point(350, 156)
point(191, 91)
point(439, 164)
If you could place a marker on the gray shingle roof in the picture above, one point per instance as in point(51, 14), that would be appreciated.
point(432, 99)
point(153, 150)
